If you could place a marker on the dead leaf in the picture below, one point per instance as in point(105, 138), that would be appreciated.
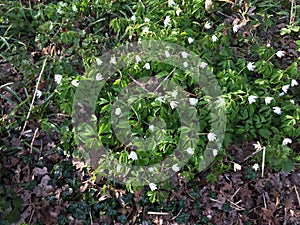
point(40, 171)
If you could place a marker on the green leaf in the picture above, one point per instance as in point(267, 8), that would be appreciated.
point(287, 165)
point(292, 70)
point(265, 133)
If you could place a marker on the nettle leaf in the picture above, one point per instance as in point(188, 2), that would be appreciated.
point(287, 165)
point(278, 157)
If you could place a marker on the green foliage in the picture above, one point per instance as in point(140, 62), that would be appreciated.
point(218, 167)
point(10, 206)
point(73, 34)
point(279, 158)
point(250, 174)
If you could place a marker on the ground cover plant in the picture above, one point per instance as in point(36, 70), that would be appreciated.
point(252, 50)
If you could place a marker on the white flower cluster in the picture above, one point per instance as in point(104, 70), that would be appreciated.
point(268, 100)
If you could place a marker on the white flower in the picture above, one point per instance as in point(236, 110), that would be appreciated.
point(207, 25)
point(208, 5)
point(184, 55)
point(281, 94)
point(221, 102)
point(185, 64)
point(193, 101)
point(151, 127)
point(147, 20)
point(119, 167)
point(118, 112)
point(57, 78)
point(235, 28)
point(146, 30)
point(215, 152)
point(167, 21)
point(190, 40)
point(152, 186)
point(190, 150)
point(279, 54)
point(173, 104)
point(175, 168)
point(138, 59)
point(174, 93)
point(268, 45)
point(133, 155)
point(167, 54)
point(160, 99)
point(147, 66)
point(75, 83)
point(99, 61)
point(113, 60)
point(203, 65)
point(211, 136)
point(257, 146)
point(178, 11)
point(285, 88)
point(151, 169)
point(292, 101)
point(294, 83)
point(255, 166)
point(214, 38)
point(99, 77)
point(133, 18)
point(38, 93)
point(252, 99)
point(277, 110)
point(251, 66)
point(236, 167)
point(268, 100)
point(171, 3)
point(286, 141)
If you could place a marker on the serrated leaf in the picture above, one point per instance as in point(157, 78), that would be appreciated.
point(265, 133)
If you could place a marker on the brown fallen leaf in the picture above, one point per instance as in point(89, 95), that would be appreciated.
point(40, 171)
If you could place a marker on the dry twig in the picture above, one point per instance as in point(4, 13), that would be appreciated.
point(297, 194)
point(293, 12)
point(33, 139)
point(158, 213)
point(263, 162)
point(34, 95)
point(235, 193)
point(174, 217)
